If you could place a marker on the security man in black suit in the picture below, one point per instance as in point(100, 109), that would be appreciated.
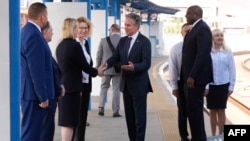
point(196, 69)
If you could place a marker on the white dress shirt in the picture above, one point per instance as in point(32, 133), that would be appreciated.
point(84, 74)
point(223, 68)
point(134, 37)
point(37, 26)
point(175, 64)
point(194, 24)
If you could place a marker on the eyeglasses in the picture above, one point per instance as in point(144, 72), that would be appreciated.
point(85, 28)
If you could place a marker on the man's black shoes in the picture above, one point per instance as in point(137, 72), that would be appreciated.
point(101, 111)
point(116, 115)
point(87, 124)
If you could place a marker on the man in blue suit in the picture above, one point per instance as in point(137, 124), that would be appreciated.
point(37, 84)
point(134, 54)
point(49, 120)
point(196, 69)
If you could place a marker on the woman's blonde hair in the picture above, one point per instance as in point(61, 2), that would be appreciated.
point(69, 24)
point(218, 31)
point(89, 24)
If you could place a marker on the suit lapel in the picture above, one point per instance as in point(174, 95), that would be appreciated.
point(86, 45)
point(190, 33)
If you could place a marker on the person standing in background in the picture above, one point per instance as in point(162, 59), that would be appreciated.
point(105, 50)
point(174, 75)
point(134, 54)
point(84, 28)
point(196, 70)
point(49, 121)
point(224, 73)
point(37, 83)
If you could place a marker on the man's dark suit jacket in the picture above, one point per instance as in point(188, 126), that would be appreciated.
point(72, 62)
point(137, 81)
point(196, 59)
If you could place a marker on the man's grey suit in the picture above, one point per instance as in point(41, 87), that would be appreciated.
point(103, 53)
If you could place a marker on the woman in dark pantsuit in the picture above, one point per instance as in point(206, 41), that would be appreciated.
point(84, 28)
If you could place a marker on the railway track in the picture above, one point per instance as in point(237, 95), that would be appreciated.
point(239, 105)
point(237, 111)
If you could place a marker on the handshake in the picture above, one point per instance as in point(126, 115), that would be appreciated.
point(102, 68)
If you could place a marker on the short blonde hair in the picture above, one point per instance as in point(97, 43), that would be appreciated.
point(89, 24)
point(218, 31)
point(69, 24)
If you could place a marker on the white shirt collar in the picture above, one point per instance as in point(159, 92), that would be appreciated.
point(196, 22)
point(220, 50)
point(38, 27)
point(135, 35)
point(82, 43)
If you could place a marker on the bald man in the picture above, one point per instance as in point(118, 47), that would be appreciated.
point(196, 69)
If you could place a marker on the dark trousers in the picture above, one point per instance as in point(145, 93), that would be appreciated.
point(32, 120)
point(49, 122)
point(79, 132)
point(194, 99)
point(182, 114)
point(135, 106)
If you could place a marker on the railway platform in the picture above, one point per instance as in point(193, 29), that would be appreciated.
point(161, 114)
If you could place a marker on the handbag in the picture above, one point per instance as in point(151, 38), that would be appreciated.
point(117, 66)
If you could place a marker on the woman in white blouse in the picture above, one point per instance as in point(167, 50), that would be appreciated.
point(224, 75)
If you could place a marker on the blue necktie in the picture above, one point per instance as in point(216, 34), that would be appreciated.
point(127, 46)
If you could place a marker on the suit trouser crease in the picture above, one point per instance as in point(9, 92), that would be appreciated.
point(182, 113)
point(182, 118)
point(32, 120)
point(79, 133)
point(135, 112)
point(49, 122)
point(195, 112)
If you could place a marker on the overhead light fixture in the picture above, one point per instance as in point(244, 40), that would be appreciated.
point(128, 3)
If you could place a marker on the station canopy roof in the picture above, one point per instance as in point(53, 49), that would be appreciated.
point(149, 7)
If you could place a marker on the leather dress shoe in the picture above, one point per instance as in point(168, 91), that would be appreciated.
point(116, 115)
point(101, 111)
point(87, 124)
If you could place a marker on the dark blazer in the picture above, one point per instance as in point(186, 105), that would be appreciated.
point(90, 65)
point(196, 59)
point(137, 81)
point(37, 84)
point(72, 62)
point(36, 65)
